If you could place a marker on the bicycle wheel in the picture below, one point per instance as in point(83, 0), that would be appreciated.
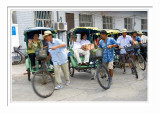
point(43, 84)
point(141, 62)
point(16, 58)
point(103, 77)
point(71, 68)
point(133, 67)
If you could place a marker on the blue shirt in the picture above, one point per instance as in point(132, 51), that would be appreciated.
point(124, 42)
point(44, 43)
point(138, 39)
point(59, 55)
point(108, 54)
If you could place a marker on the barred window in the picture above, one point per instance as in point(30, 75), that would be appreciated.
point(128, 24)
point(108, 22)
point(85, 20)
point(144, 24)
point(43, 19)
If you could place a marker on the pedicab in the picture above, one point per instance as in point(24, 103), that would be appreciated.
point(42, 81)
point(95, 60)
point(114, 33)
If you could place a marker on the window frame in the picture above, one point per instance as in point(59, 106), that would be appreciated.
point(86, 22)
point(43, 20)
point(144, 25)
point(109, 22)
point(128, 23)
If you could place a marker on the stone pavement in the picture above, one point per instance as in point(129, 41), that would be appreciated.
point(125, 87)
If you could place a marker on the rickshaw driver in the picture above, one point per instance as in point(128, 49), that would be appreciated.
point(56, 48)
point(107, 45)
point(123, 41)
point(136, 41)
point(83, 50)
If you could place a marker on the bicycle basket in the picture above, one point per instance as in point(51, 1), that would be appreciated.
point(136, 46)
point(98, 54)
point(41, 54)
point(144, 45)
point(129, 48)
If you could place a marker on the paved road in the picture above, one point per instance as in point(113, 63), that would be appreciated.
point(125, 87)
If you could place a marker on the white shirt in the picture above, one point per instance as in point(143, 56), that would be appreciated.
point(124, 42)
point(76, 45)
point(84, 42)
point(144, 38)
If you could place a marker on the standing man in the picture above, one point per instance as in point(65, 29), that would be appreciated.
point(123, 41)
point(56, 49)
point(108, 44)
point(144, 44)
point(137, 41)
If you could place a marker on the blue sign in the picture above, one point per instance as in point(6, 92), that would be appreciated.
point(13, 30)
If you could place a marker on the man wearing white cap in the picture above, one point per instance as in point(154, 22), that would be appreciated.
point(123, 41)
point(144, 44)
point(56, 48)
point(143, 37)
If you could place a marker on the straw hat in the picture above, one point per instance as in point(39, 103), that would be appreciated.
point(124, 31)
point(46, 33)
point(140, 32)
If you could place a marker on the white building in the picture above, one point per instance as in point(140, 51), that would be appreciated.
point(131, 20)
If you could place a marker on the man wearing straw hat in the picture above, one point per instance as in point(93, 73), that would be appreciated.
point(123, 41)
point(56, 49)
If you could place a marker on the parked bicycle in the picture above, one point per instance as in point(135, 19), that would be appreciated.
point(129, 59)
point(140, 60)
point(17, 55)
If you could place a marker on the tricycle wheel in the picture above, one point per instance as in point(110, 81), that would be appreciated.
point(71, 68)
point(29, 74)
point(43, 84)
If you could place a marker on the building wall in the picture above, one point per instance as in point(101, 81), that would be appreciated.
point(25, 19)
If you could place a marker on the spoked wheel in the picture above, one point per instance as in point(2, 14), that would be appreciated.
point(43, 84)
point(141, 62)
point(16, 58)
point(103, 77)
point(71, 68)
point(134, 67)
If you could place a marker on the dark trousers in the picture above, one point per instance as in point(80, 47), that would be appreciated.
point(32, 57)
point(50, 59)
point(144, 52)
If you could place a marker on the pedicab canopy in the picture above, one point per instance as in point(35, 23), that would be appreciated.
point(28, 33)
point(110, 31)
point(90, 30)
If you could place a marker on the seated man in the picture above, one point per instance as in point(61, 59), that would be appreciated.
point(82, 48)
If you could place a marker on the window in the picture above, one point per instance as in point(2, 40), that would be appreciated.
point(43, 19)
point(144, 24)
point(14, 17)
point(128, 24)
point(107, 22)
point(85, 20)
